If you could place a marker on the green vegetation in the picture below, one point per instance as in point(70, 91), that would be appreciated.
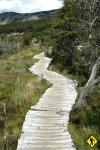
point(77, 42)
point(85, 122)
point(74, 34)
point(17, 36)
point(28, 26)
point(19, 90)
point(28, 30)
point(75, 51)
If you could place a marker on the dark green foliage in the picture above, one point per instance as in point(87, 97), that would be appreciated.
point(76, 49)
point(29, 26)
point(77, 37)
point(65, 48)
point(68, 37)
point(27, 38)
point(2, 124)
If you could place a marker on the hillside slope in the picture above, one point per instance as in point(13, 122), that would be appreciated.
point(12, 17)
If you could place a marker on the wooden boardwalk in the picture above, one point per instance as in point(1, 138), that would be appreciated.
point(45, 124)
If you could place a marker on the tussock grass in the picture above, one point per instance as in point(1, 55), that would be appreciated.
point(86, 122)
point(80, 136)
point(19, 90)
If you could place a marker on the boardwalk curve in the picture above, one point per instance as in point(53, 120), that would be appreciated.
point(45, 124)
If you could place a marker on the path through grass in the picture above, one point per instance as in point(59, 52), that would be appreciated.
point(19, 90)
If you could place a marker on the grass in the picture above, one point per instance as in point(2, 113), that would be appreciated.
point(81, 134)
point(85, 122)
point(19, 90)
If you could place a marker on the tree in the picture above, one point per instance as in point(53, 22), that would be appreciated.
point(77, 45)
point(94, 79)
point(67, 35)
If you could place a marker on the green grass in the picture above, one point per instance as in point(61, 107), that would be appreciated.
point(85, 122)
point(19, 90)
point(81, 134)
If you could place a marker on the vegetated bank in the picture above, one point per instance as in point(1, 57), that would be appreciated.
point(76, 51)
point(19, 90)
point(74, 34)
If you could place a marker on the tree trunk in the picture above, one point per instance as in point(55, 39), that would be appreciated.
point(91, 82)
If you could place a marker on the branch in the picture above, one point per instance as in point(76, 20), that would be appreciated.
point(94, 71)
point(91, 82)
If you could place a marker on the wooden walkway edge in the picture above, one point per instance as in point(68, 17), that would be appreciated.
point(45, 123)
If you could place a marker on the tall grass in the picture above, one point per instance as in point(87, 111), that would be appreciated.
point(86, 122)
point(19, 90)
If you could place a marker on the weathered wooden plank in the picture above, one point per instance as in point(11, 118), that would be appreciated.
point(45, 124)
